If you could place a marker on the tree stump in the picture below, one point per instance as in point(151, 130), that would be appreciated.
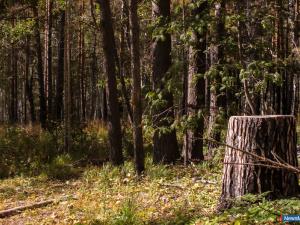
point(267, 136)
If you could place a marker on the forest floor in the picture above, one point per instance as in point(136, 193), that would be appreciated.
point(108, 195)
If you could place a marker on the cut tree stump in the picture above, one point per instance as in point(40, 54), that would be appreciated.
point(272, 137)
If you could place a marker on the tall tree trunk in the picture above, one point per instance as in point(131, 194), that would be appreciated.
point(279, 54)
point(296, 81)
point(185, 65)
point(82, 66)
point(136, 88)
point(165, 146)
point(13, 115)
point(104, 105)
point(67, 77)
point(48, 57)
point(40, 72)
point(125, 57)
point(109, 48)
point(29, 83)
point(60, 68)
point(193, 139)
point(94, 88)
point(217, 98)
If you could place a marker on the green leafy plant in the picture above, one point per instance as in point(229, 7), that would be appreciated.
point(127, 214)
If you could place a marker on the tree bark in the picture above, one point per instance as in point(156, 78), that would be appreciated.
point(48, 58)
point(94, 88)
point(267, 136)
point(165, 146)
point(296, 81)
point(193, 140)
point(125, 57)
point(136, 88)
point(13, 115)
point(67, 82)
point(40, 71)
point(60, 68)
point(217, 98)
point(81, 71)
point(29, 83)
point(114, 125)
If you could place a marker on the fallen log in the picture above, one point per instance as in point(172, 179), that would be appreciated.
point(17, 210)
point(20, 209)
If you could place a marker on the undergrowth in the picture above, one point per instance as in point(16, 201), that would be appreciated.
point(31, 151)
point(108, 195)
point(164, 195)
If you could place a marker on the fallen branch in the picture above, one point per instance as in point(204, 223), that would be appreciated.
point(203, 181)
point(17, 210)
point(271, 163)
point(20, 209)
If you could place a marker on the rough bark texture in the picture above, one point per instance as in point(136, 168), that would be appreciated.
point(265, 136)
point(13, 115)
point(165, 146)
point(60, 68)
point(29, 83)
point(136, 93)
point(67, 79)
point(48, 58)
point(40, 70)
point(193, 142)
point(217, 98)
point(114, 125)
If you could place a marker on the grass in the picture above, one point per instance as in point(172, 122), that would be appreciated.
point(109, 195)
point(115, 196)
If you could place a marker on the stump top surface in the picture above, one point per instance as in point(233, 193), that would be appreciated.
point(263, 117)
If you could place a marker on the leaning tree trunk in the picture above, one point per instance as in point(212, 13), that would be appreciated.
point(273, 137)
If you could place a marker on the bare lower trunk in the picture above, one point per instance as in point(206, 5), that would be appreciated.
point(40, 71)
point(217, 99)
point(165, 146)
point(114, 125)
point(60, 68)
point(136, 92)
point(193, 140)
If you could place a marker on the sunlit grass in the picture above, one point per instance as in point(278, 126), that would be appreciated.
point(111, 195)
point(114, 196)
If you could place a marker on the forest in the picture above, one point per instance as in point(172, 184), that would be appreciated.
point(131, 112)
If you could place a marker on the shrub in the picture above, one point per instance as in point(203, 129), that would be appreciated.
point(61, 168)
point(29, 150)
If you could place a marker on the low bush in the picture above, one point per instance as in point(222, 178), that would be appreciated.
point(30, 150)
point(61, 168)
